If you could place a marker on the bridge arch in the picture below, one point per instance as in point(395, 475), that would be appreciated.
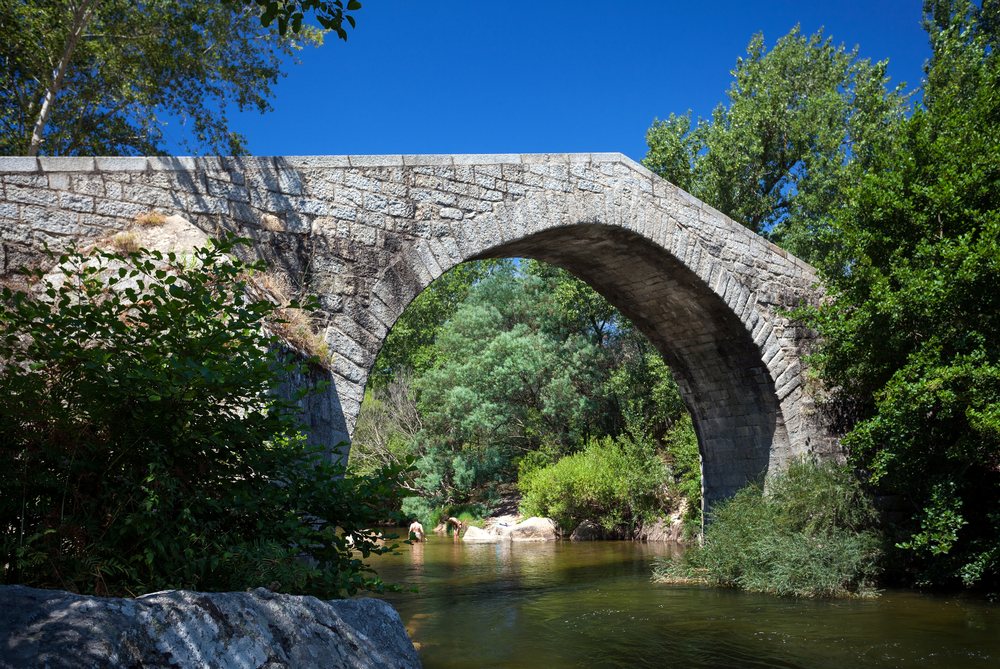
point(736, 358)
point(368, 233)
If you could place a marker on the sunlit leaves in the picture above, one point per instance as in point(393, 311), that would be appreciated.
point(912, 336)
point(135, 69)
point(137, 401)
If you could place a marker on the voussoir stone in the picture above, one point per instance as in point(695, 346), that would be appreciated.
point(177, 628)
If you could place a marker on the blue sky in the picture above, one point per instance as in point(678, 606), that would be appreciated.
point(470, 76)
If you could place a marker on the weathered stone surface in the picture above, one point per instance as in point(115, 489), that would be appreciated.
point(670, 528)
point(588, 530)
point(475, 535)
point(663, 529)
point(368, 233)
point(175, 234)
point(534, 529)
point(56, 629)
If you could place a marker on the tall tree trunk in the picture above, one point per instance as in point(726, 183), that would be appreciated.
point(81, 17)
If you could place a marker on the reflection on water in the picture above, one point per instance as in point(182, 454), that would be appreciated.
point(592, 604)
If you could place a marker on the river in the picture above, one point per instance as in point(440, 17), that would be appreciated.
point(592, 604)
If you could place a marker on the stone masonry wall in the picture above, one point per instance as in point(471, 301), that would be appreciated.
point(368, 233)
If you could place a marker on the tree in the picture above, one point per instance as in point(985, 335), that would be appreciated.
point(530, 366)
point(330, 14)
point(911, 336)
point(408, 349)
point(775, 157)
point(143, 446)
point(103, 77)
point(388, 425)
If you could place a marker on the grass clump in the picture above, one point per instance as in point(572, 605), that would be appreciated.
point(150, 219)
point(125, 242)
point(811, 534)
point(291, 323)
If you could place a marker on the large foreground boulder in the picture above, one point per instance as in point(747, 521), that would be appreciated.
point(534, 529)
point(177, 628)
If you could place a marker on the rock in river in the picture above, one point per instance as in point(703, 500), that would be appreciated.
point(475, 535)
point(534, 529)
point(588, 530)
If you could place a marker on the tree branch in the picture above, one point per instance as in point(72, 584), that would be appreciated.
point(81, 17)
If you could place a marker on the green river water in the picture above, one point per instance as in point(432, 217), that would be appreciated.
point(592, 604)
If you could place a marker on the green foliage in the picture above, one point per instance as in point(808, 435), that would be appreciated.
point(681, 446)
point(388, 424)
point(331, 14)
point(104, 78)
point(409, 348)
point(419, 508)
point(514, 365)
point(144, 448)
point(502, 384)
point(617, 483)
point(911, 338)
point(810, 535)
point(775, 157)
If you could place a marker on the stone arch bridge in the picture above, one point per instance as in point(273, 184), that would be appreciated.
point(368, 233)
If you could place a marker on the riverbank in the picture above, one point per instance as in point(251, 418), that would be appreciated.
point(570, 604)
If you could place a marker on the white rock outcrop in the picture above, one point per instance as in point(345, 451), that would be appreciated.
point(475, 535)
point(534, 529)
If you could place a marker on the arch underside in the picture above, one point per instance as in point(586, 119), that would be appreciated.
point(718, 368)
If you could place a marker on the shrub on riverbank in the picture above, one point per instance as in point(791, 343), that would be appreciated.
point(811, 534)
point(145, 449)
point(617, 483)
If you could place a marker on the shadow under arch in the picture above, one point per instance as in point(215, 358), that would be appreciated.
point(718, 367)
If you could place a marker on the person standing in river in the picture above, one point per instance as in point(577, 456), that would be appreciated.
point(416, 531)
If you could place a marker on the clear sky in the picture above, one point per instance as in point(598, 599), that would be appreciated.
point(478, 76)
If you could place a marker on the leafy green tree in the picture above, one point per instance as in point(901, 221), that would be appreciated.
point(529, 366)
point(501, 378)
point(409, 348)
point(330, 14)
point(911, 338)
point(103, 77)
point(143, 446)
point(775, 157)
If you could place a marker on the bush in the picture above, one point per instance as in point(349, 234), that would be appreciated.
point(809, 535)
point(685, 468)
point(143, 446)
point(617, 483)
